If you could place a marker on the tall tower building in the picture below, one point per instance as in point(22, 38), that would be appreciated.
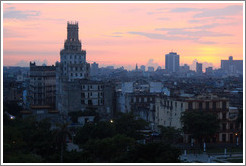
point(172, 62)
point(72, 58)
point(75, 91)
point(199, 68)
point(70, 70)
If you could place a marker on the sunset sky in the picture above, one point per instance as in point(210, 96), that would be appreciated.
point(123, 34)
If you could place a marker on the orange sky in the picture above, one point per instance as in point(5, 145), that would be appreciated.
point(123, 34)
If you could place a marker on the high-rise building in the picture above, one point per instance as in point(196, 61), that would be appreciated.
point(209, 70)
point(72, 67)
point(232, 66)
point(199, 68)
point(94, 69)
point(42, 88)
point(185, 68)
point(172, 62)
point(75, 91)
point(136, 67)
point(73, 63)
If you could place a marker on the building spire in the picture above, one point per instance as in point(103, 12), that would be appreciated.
point(136, 67)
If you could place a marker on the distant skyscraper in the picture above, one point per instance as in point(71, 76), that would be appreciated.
point(94, 69)
point(172, 62)
point(209, 70)
point(199, 68)
point(184, 68)
point(136, 67)
point(142, 68)
point(232, 66)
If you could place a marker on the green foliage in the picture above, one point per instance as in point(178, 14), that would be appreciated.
point(124, 124)
point(108, 149)
point(100, 130)
point(22, 158)
point(31, 141)
point(27, 136)
point(170, 135)
point(200, 124)
point(127, 124)
point(12, 108)
point(154, 153)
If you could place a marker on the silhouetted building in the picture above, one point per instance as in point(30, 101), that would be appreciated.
point(42, 89)
point(209, 70)
point(232, 66)
point(94, 69)
point(199, 68)
point(75, 91)
point(172, 62)
point(185, 68)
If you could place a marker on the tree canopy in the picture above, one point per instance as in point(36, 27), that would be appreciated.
point(200, 124)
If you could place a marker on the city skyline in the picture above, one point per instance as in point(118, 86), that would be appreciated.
point(207, 32)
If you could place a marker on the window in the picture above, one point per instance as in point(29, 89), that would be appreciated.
point(190, 106)
point(214, 105)
point(83, 95)
point(71, 74)
point(175, 104)
point(82, 101)
point(207, 105)
point(200, 105)
point(224, 137)
point(181, 105)
point(231, 125)
point(224, 105)
point(224, 116)
point(224, 126)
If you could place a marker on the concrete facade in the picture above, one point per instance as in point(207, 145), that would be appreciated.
point(75, 90)
point(42, 88)
point(169, 111)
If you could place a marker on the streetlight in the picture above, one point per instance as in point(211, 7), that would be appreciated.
point(236, 138)
point(111, 121)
